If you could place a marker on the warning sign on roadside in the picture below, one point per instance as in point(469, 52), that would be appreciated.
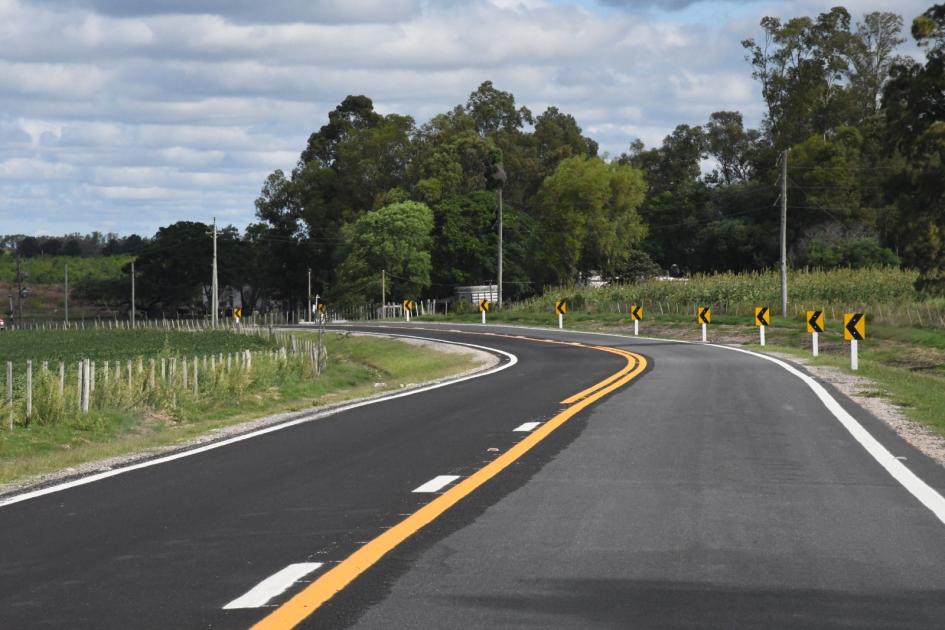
point(484, 306)
point(762, 316)
point(636, 312)
point(815, 321)
point(408, 305)
point(705, 315)
point(854, 326)
point(561, 307)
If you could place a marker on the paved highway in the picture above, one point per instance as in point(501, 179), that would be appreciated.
point(713, 490)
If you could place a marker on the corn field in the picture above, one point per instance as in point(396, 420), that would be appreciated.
point(886, 294)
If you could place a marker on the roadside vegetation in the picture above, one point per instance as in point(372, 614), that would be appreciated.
point(136, 405)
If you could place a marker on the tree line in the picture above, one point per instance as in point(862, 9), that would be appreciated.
point(861, 125)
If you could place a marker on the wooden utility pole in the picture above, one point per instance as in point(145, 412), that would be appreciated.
point(19, 289)
point(784, 291)
point(214, 282)
point(132, 293)
point(500, 248)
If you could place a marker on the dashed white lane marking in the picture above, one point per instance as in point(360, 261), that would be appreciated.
point(437, 483)
point(273, 585)
point(525, 428)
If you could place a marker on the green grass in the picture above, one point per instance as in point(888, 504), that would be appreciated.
point(357, 366)
point(71, 345)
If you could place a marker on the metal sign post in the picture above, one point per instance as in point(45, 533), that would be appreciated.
point(854, 330)
point(484, 306)
point(636, 314)
point(762, 319)
point(561, 307)
point(704, 317)
point(815, 326)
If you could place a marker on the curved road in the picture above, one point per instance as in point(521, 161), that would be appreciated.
point(714, 490)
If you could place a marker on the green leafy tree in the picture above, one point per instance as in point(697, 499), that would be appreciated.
point(395, 238)
point(914, 102)
point(588, 220)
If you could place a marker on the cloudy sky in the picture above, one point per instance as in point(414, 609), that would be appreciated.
point(125, 115)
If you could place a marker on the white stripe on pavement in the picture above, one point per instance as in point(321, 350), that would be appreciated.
point(437, 483)
point(525, 428)
point(273, 585)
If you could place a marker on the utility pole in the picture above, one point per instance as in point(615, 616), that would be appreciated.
point(383, 294)
point(67, 293)
point(132, 293)
point(784, 233)
point(214, 282)
point(309, 294)
point(499, 177)
point(500, 247)
point(19, 289)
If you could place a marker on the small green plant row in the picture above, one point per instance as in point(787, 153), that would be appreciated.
point(162, 384)
point(139, 324)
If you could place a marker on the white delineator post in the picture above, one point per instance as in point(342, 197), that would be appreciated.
point(703, 333)
point(814, 343)
point(483, 317)
point(636, 327)
point(560, 320)
point(761, 330)
point(407, 313)
point(854, 359)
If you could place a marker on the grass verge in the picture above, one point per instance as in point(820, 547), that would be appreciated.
point(357, 366)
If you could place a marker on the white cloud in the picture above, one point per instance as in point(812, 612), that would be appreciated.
point(128, 115)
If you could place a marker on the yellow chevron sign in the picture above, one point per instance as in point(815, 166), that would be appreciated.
point(815, 321)
point(408, 305)
point(636, 313)
point(484, 306)
point(762, 316)
point(705, 315)
point(854, 326)
point(561, 307)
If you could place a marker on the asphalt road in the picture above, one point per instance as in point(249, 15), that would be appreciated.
point(713, 491)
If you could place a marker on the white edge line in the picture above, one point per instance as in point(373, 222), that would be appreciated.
point(526, 427)
point(437, 483)
point(277, 427)
point(273, 585)
point(926, 494)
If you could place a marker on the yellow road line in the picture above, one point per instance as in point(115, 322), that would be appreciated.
point(306, 602)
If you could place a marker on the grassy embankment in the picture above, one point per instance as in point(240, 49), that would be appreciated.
point(127, 416)
point(904, 352)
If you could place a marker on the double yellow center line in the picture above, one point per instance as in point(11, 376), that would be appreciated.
point(307, 601)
